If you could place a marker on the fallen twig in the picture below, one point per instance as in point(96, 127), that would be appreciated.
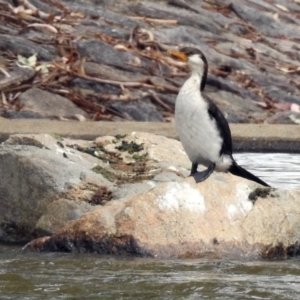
point(159, 101)
point(157, 21)
point(4, 101)
point(4, 72)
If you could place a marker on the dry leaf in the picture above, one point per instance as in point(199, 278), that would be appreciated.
point(44, 68)
point(24, 62)
point(47, 26)
point(289, 69)
point(120, 47)
point(261, 104)
point(281, 7)
point(80, 69)
point(136, 62)
point(294, 119)
point(295, 107)
point(283, 106)
point(77, 15)
point(80, 118)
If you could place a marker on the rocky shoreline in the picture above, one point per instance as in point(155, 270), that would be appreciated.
point(102, 60)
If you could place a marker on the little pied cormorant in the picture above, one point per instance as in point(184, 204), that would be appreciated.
point(202, 128)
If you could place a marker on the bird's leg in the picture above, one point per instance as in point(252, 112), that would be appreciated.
point(201, 176)
point(194, 169)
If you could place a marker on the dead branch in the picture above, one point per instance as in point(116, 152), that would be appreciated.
point(155, 97)
point(4, 72)
point(118, 83)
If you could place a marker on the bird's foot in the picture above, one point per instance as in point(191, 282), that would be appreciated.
point(201, 176)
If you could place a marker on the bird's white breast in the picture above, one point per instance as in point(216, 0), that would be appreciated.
point(197, 131)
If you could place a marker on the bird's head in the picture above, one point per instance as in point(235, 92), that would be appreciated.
point(195, 59)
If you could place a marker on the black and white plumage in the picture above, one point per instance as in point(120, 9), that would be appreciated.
point(202, 128)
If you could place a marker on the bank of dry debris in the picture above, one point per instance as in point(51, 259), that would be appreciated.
point(109, 59)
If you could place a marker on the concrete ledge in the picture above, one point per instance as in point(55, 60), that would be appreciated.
point(246, 137)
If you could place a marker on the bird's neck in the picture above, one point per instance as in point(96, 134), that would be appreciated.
point(198, 77)
point(196, 80)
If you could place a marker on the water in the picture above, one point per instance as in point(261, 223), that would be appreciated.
point(61, 276)
point(53, 276)
point(280, 170)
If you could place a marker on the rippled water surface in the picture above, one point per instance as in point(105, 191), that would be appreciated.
point(280, 170)
point(53, 276)
point(60, 276)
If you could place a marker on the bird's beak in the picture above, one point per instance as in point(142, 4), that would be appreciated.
point(179, 55)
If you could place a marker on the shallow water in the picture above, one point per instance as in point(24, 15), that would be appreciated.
point(53, 276)
point(280, 170)
point(61, 276)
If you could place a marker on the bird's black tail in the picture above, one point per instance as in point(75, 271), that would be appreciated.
point(237, 170)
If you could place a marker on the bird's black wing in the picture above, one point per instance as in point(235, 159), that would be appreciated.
point(222, 125)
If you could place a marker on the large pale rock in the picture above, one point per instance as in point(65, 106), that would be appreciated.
point(47, 181)
point(35, 171)
point(129, 195)
point(224, 215)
